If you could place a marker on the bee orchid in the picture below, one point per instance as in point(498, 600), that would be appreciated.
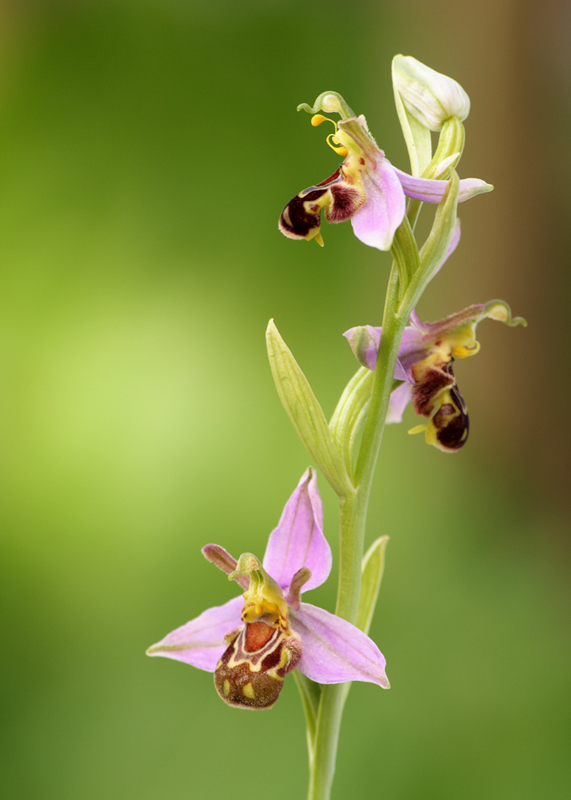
point(366, 188)
point(253, 641)
point(424, 366)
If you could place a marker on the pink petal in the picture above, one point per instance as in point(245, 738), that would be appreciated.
point(298, 541)
point(201, 641)
point(412, 347)
point(334, 651)
point(400, 398)
point(364, 341)
point(470, 187)
point(451, 247)
point(431, 191)
point(378, 218)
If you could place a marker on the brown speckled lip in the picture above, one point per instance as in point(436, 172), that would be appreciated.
point(251, 671)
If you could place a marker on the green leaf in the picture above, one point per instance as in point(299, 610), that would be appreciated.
point(350, 413)
point(310, 693)
point(371, 576)
point(405, 253)
point(305, 412)
point(436, 246)
point(373, 567)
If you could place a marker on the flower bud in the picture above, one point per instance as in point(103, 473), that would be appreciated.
point(430, 97)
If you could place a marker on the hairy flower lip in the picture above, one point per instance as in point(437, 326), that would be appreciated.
point(298, 558)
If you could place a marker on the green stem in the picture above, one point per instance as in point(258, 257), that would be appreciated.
point(393, 327)
point(353, 514)
point(409, 276)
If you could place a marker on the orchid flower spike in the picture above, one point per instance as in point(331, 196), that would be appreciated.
point(365, 188)
point(252, 642)
point(424, 366)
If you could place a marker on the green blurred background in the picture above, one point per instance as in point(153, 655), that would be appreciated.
point(146, 150)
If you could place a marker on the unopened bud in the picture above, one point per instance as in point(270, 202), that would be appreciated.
point(429, 96)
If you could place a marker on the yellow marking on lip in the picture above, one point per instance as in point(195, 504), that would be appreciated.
point(226, 687)
point(248, 690)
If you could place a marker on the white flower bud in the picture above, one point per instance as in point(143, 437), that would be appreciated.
point(430, 97)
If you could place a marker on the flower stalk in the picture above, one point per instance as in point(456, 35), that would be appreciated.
point(410, 274)
point(353, 517)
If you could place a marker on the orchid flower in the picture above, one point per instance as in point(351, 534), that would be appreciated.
point(426, 354)
point(366, 188)
point(252, 642)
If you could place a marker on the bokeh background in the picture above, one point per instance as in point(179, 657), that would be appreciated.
point(146, 150)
